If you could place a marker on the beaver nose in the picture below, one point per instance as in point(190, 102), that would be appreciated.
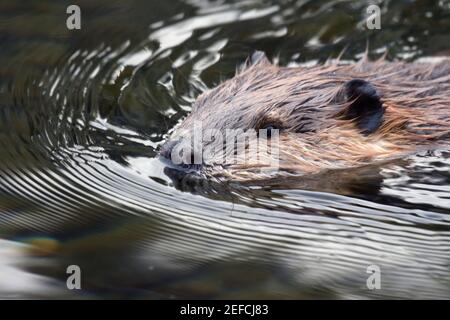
point(166, 149)
point(180, 152)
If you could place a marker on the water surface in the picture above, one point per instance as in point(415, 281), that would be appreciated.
point(83, 112)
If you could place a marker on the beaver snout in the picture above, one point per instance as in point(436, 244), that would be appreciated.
point(166, 149)
point(181, 152)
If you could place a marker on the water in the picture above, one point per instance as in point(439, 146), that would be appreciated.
point(82, 114)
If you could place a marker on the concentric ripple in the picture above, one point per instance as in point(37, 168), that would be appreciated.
point(82, 116)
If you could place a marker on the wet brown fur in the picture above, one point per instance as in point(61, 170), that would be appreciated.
point(308, 104)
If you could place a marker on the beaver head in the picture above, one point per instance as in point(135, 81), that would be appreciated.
point(311, 119)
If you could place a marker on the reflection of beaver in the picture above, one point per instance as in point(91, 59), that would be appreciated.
point(329, 116)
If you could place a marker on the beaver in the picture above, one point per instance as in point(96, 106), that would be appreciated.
point(334, 115)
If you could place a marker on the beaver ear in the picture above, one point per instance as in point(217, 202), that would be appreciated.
point(257, 57)
point(365, 107)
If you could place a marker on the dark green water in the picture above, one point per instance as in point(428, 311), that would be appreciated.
point(82, 113)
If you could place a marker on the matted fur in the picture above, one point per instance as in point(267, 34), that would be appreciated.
point(308, 104)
